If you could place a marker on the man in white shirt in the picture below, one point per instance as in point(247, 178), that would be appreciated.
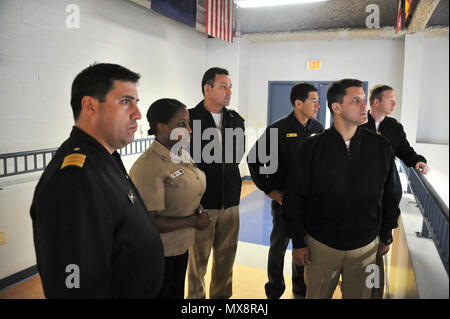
point(218, 154)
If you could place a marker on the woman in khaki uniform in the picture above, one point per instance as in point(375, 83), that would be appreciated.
point(172, 186)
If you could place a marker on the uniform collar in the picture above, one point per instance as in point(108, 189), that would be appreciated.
point(335, 132)
point(157, 148)
point(78, 135)
point(160, 150)
point(370, 120)
point(203, 112)
point(296, 123)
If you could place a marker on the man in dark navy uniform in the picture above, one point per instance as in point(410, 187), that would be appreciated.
point(290, 131)
point(92, 234)
point(382, 104)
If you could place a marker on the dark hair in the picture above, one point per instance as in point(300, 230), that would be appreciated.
point(377, 92)
point(162, 111)
point(300, 91)
point(338, 89)
point(96, 81)
point(210, 76)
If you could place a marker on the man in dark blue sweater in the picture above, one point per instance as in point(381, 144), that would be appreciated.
point(341, 199)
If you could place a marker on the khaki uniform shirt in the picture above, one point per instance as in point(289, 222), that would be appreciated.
point(171, 189)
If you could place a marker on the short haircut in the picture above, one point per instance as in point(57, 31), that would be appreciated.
point(338, 89)
point(300, 91)
point(377, 92)
point(96, 81)
point(210, 76)
point(162, 111)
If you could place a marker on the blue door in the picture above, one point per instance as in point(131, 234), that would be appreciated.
point(280, 104)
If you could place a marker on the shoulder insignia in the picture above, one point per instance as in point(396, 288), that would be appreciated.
point(75, 159)
point(291, 134)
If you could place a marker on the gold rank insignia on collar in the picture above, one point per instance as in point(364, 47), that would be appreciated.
point(75, 159)
point(291, 134)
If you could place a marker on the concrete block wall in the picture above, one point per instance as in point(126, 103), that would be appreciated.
point(39, 58)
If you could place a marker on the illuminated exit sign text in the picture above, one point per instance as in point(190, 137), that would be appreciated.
point(314, 65)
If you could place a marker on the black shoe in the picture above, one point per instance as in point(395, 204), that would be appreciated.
point(299, 295)
point(272, 292)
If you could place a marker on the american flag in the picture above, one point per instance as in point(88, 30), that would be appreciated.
point(219, 19)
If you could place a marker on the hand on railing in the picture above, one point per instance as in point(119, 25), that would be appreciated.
point(422, 167)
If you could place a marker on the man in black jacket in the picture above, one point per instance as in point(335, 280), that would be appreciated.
point(341, 199)
point(382, 103)
point(217, 146)
point(289, 132)
point(92, 233)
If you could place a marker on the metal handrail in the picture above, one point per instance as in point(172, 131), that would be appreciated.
point(434, 211)
point(138, 146)
point(18, 163)
point(13, 160)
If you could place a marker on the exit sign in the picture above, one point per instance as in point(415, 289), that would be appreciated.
point(314, 65)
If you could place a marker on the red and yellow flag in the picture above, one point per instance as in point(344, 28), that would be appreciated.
point(407, 9)
point(403, 10)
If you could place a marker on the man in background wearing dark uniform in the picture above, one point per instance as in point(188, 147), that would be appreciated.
point(217, 153)
point(92, 233)
point(290, 131)
point(341, 200)
point(382, 103)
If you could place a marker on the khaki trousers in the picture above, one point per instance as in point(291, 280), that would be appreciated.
point(327, 264)
point(222, 237)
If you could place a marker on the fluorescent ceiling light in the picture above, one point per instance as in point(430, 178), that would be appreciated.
point(270, 3)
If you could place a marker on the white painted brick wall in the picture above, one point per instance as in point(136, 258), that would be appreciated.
point(40, 56)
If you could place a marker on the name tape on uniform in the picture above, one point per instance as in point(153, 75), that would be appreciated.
point(176, 173)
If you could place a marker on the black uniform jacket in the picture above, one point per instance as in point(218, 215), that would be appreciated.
point(342, 198)
point(290, 133)
point(394, 132)
point(87, 212)
point(223, 179)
